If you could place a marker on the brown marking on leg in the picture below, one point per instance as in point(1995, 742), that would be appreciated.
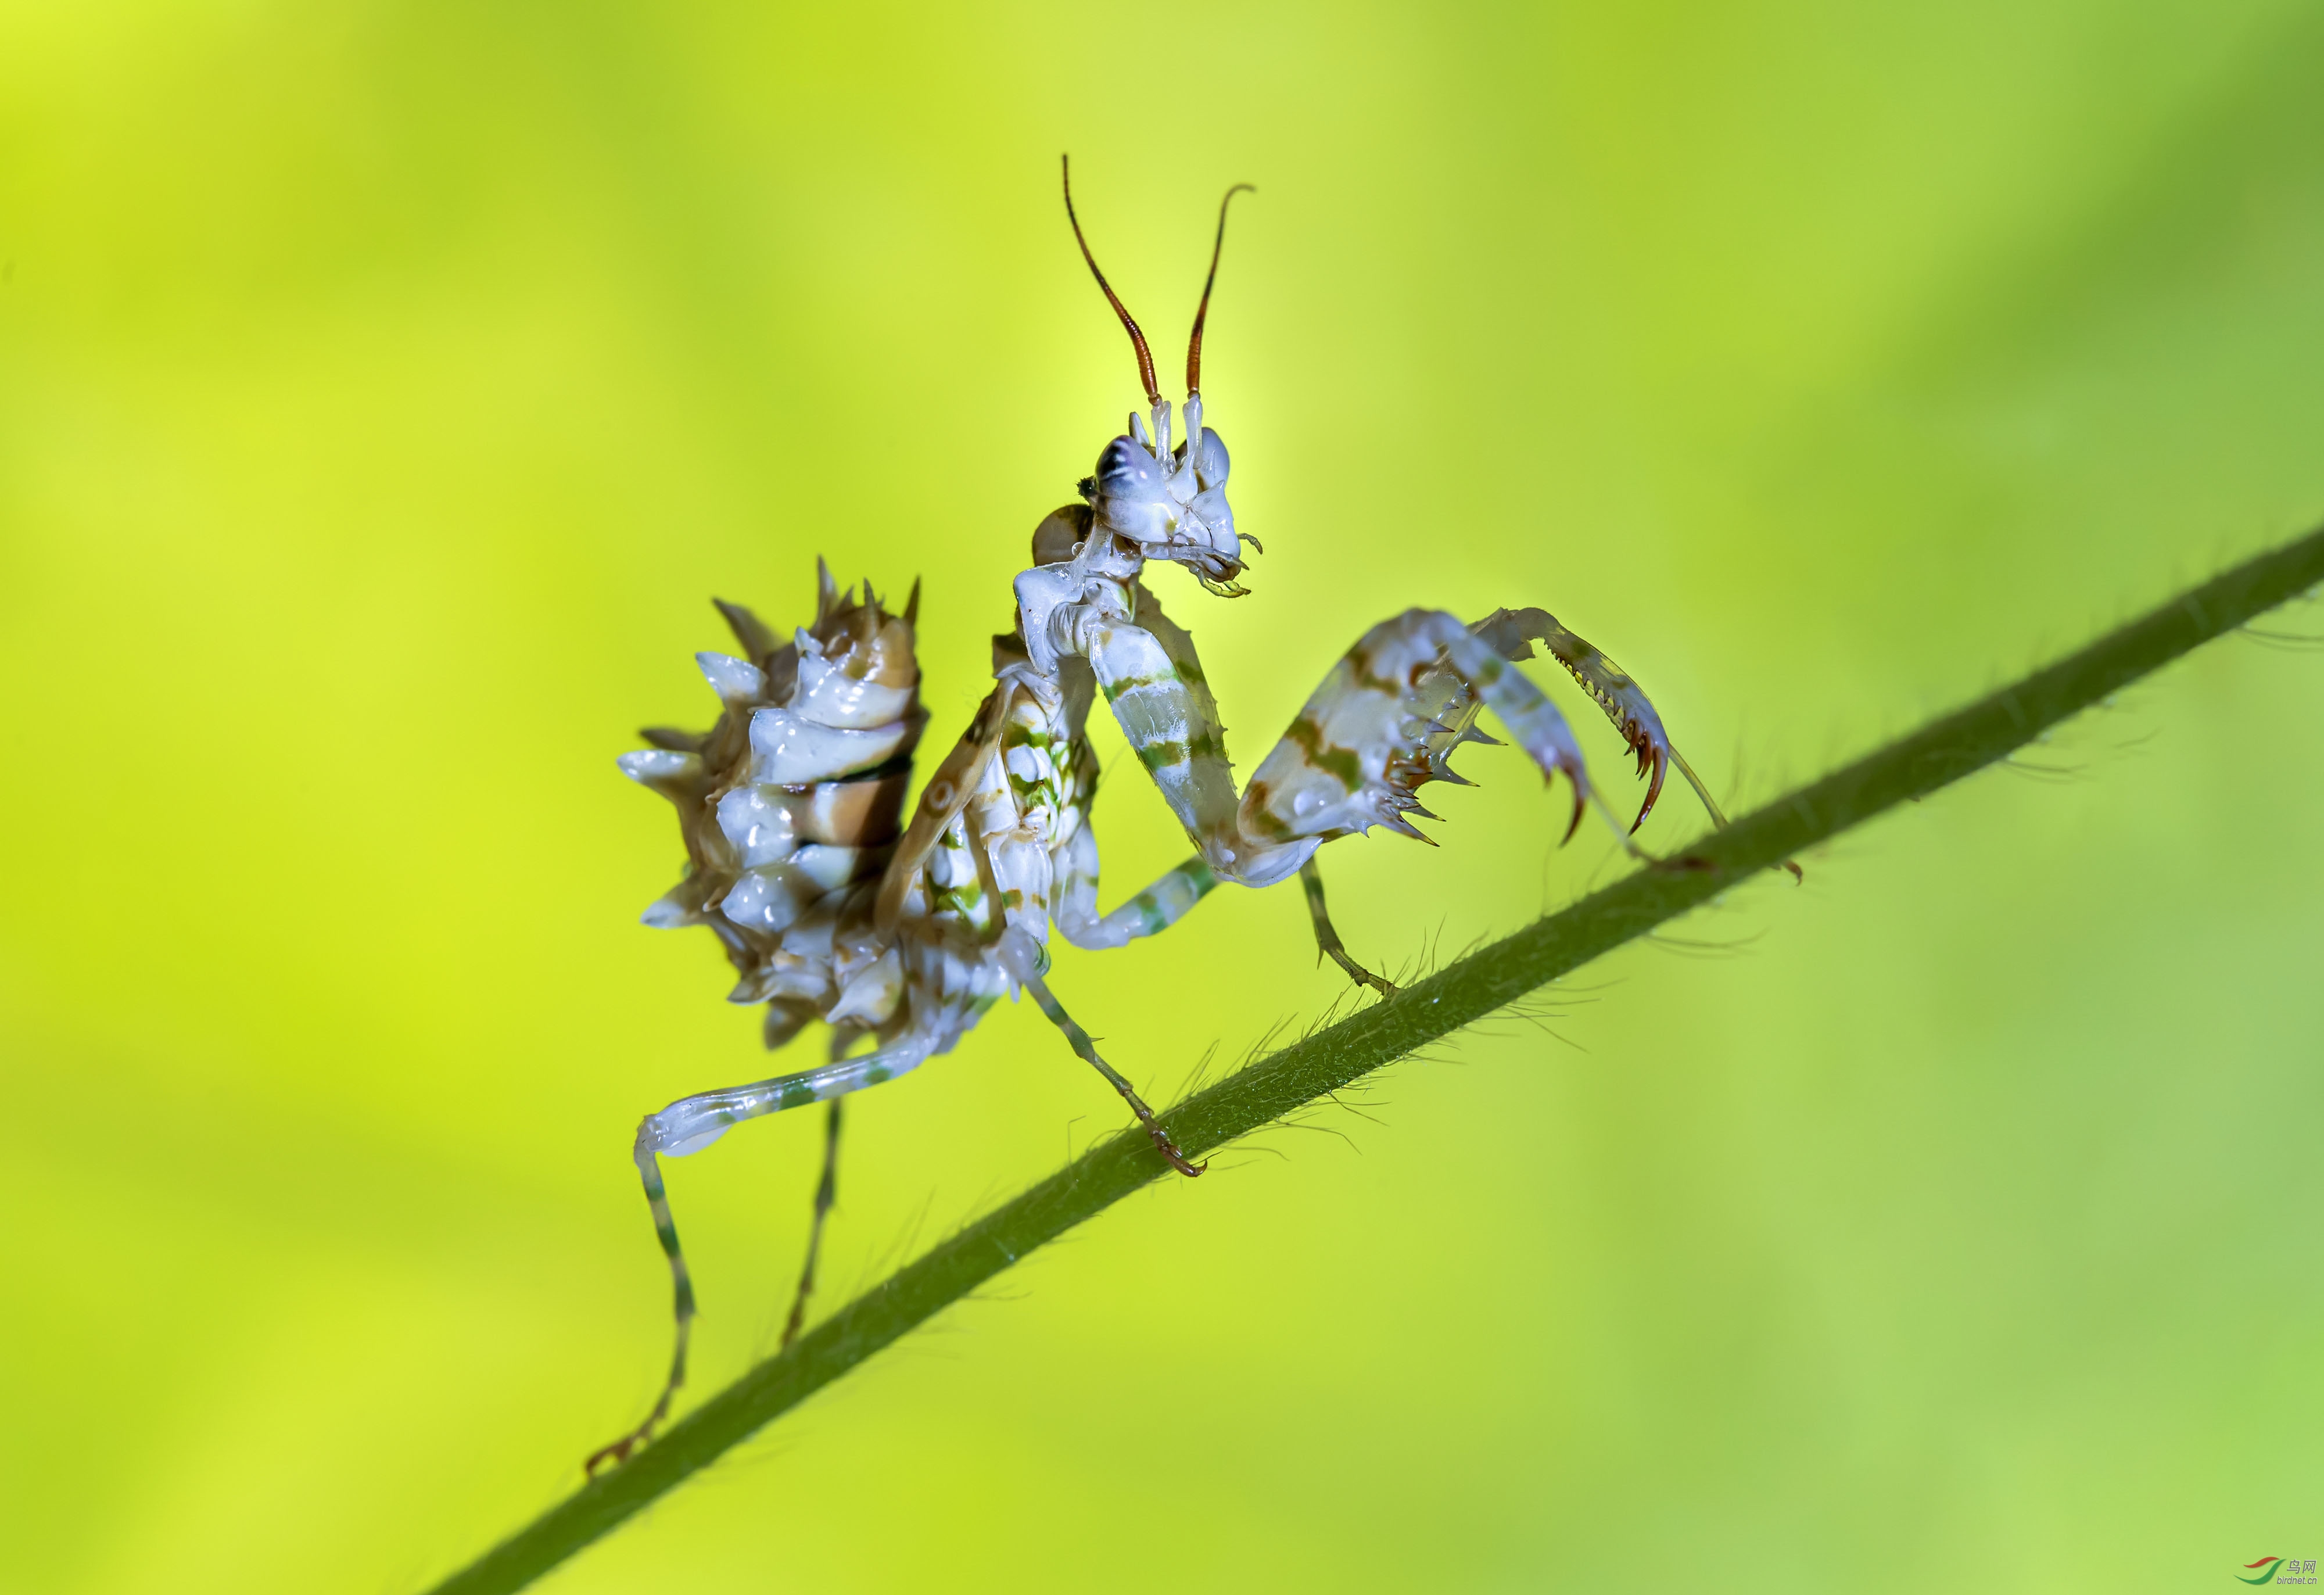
point(620, 1450)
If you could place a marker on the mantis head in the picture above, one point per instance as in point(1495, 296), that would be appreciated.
point(1171, 502)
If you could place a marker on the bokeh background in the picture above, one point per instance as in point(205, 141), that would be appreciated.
point(385, 389)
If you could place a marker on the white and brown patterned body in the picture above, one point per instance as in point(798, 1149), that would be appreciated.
point(789, 808)
point(789, 805)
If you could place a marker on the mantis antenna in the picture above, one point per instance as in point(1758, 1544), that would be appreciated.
point(1202, 310)
point(1138, 338)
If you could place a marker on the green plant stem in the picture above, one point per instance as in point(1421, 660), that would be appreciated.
point(1332, 1058)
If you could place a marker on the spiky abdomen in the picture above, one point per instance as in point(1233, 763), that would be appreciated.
point(789, 808)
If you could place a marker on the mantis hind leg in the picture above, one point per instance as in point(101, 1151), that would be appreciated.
point(682, 1285)
point(692, 1123)
point(827, 1191)
point(1327, 940)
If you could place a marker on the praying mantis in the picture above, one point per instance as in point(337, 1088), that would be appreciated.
point(831, 909)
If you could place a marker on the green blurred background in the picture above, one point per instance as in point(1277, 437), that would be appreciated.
point(384, 389)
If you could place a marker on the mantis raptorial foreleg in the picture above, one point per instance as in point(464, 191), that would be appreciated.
point(1374, 729)
point(1385, 720)
point(1622, 699)
point(1625, 704)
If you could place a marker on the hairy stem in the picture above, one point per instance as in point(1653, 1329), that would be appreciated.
point(1909, 768)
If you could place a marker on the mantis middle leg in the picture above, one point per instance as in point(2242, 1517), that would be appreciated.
point(1327, 939)
point(1087, 1049)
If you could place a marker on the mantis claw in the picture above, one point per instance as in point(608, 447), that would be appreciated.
point(1581, 802)
point(1177, 1159)
point(1654, 757)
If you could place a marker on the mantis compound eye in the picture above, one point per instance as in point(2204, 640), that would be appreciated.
point(1133, 494)
point(1127, 469)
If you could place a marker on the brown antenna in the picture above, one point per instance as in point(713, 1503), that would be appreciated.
point(1138, 338)
point(1195, 343)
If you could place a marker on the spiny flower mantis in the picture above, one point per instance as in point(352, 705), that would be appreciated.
point(829, 909)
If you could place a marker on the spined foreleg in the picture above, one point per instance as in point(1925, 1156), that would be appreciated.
point(1610, 687)
point(1613, 690)
point(1386, 719)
